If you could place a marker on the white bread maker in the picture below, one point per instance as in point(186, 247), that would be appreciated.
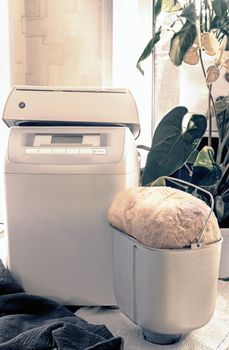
point(69, 152)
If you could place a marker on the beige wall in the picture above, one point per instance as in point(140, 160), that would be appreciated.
point(61, 42)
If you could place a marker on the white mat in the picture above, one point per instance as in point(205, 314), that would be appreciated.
point(213, 336)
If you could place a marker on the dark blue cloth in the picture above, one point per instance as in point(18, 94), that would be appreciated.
point(31, 322)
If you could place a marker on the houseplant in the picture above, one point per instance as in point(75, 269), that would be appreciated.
point(172, 148)
point(198, 28)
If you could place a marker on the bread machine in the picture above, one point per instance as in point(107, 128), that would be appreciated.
point(69, 152)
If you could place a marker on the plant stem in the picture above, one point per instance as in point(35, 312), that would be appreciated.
point(220, 181)
point(226, 159)
point(204, 73)
point(221, 147)
point(209, 116)
point(188, 168)
point(211, 104)
point(201, 62)
point(146, 148)
point(223, 174)
point(219, 57)
point(226, 169)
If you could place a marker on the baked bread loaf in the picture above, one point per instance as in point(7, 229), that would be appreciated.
point(162, 217)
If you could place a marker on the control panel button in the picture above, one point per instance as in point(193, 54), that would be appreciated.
point(100, 151)
point(21, 104)
point(31, 151)
point(58, 150)
point(65, 151)
point(44, 151)
point(86, 151)
point(72, 150)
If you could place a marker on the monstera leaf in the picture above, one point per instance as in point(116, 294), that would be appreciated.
point(205, 171)
point(171, 146)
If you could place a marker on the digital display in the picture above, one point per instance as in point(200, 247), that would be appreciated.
point(57, 140)
point(76, 139)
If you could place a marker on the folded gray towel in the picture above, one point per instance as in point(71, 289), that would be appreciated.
point(30, 322)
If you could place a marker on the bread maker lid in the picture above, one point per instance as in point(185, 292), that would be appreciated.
point(46, 105)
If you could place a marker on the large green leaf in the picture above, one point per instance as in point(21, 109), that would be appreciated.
point(160, 181)
point(205, 171)
point(148, 49)
point(171, 146)
point(189, 12)
point(226, 209)
point(222, 117)
point(222, 206)
point(220, 18)
point(158, 7)
point(219, 208)
point(221, 104)
point(181, 42)
point(216, 4)
point(220, 7)
point(192, 158)
point(221, 24)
